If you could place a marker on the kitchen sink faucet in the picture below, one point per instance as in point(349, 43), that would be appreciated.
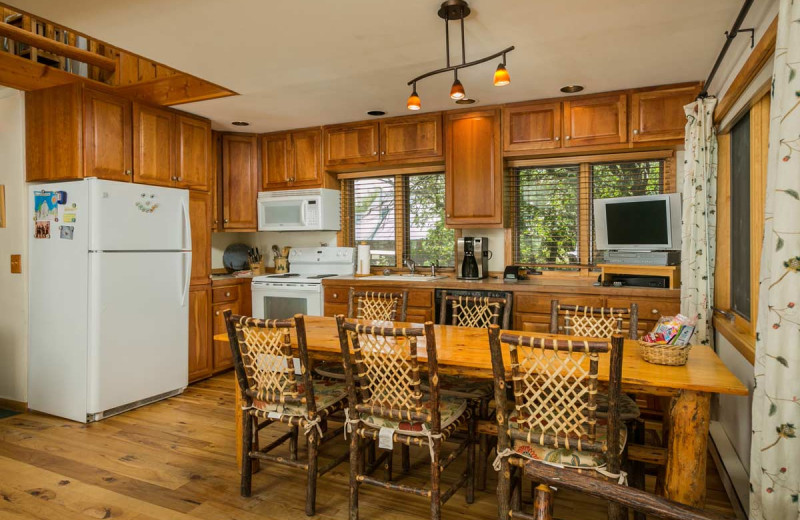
point(411, 264)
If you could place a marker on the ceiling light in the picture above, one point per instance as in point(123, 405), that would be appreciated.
point(376, 113)
point(240, 123)
point(457, 90)
point(571, 89)
point(466, 101)
point(458, 10)
point(414, 102)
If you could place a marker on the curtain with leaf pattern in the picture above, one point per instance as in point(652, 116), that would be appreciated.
point(775, 453)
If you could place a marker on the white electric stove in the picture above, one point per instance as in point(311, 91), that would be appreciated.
point(280, 296)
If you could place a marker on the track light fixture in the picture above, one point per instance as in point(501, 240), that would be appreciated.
point(458, 10)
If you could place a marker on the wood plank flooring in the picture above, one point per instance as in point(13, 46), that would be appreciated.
point(175, 460)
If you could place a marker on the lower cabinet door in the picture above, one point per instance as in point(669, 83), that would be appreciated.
point(223, 357)
point(200, 361)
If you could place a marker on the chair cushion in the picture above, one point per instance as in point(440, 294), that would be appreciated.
point(450, 409)
point(628, 409)
point(460, 386)
point(330, 370)
point(326, 394)
point(567, 457)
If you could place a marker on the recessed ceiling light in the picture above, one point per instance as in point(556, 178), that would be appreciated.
point(376, 113)
point(465, 101)
point(571, 89)
point(240, 123)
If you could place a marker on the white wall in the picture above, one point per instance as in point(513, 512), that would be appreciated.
point(264, 241)
point(13, 240)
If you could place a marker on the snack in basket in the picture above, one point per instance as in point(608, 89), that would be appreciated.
point(672, 330)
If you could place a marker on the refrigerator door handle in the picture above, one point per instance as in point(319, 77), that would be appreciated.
point(186, 259)
point(187, 227)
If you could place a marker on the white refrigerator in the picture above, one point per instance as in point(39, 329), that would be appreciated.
point(109, 270)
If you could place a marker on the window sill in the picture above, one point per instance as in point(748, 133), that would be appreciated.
point(744, 343)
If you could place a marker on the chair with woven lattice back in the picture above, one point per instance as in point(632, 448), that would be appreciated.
point(387, 405)
point(553, 418)
point(476, 312)
point(277, 387)
point(367, 305)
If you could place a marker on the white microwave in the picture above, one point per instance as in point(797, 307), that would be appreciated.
point(299, 210)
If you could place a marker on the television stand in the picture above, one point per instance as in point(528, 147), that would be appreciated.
point(671, 272)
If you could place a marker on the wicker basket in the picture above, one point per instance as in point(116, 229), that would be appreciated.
point(661, 354)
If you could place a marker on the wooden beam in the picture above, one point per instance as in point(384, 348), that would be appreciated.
point(624, 156)
point(24, 74)
point(761, 54)
point(174, 90)
point(56, 47)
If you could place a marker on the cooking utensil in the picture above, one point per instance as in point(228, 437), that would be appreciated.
point(276, 251)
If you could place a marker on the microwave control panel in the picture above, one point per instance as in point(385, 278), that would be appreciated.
point(312, 213)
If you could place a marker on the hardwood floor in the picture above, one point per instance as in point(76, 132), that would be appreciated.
point(175, 460)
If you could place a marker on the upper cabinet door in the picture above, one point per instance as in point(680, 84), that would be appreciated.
point(153, 146)
point(194, 153)
point(351, 143)
point(595, 120)
point(306, 157)
point(275, 163)
point(200, 219)
point(239, 182)
point(411, 137)
point(473, 169)
point(108, 150)
point(536, 126)
point(659, 115)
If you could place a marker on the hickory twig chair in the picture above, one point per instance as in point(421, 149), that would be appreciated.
point(263, 358)
point(478, 312)
point(386, 404)
point(553, 419)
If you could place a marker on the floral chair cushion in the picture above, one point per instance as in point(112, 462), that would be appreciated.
point(567, 457)
point(628, 409)
point(326, 394)
point(330, 370)
point(450, 409)
point(463, 387)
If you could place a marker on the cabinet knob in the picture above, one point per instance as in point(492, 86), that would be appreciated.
point(383, 153)
point(216, 221)
point(216, 313)
point(126, 172)
point(448, 215)
point(635, 132)
point(227, 293)
point(567, 137)
point(335, 295)
point(374, 153)
point(558, 138)
point(654, 311)
point(179, 178)
point(225, 221)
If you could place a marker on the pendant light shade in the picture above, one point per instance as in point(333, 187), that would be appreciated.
point(457, 90)
point(414, 103)
point(501, 77)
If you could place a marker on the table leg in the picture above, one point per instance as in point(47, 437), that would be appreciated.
point(685, 474)
point(238, 419)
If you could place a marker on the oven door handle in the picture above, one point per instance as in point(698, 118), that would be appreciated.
point(284, 290)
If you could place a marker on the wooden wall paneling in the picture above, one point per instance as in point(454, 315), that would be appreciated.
point(722, 269)
point(200, 219)
point(200, 354)
point(53, 133)
point(194, 152)
point(240, 178)
point(534, 126)
point(596, 120)
point(107, 139)
point(410, 137)
point(759, 152)
point(153, 145)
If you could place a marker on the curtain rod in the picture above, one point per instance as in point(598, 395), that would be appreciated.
point(729, 36)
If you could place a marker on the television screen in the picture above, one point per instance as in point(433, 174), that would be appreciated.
point(644, 222)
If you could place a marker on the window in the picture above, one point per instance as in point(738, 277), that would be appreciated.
point(552, 205)
point(740, 217)
point(399, 216)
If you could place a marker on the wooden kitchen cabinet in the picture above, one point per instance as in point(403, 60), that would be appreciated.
point(233, 294)
point(240, 181)
point(200, 219)
point(107, 140)
point(293, 160)
point(153, 146)
point(419, 309)
point(473, 169)
point(532, 126)
point(412, 138)
point(200, 355)
point(194, 153)
point(222, 354)
point(351, 143)
point(595, 120)
point(658, 115)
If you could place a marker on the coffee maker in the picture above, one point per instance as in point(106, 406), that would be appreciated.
point(472, 258)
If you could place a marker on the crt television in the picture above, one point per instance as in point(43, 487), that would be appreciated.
point(644, 223)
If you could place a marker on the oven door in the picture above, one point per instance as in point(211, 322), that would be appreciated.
point(287, 214)
point(277, 301)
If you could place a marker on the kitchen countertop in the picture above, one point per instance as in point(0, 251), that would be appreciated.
point(534, 284)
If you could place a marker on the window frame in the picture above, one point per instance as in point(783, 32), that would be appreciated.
point(584, 164)
point(740, 331)
point(345, 238)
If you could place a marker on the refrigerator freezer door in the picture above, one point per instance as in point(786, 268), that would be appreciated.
point(58, 238)
point(138, 326)
point(135, 217)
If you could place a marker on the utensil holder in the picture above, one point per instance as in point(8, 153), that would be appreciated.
point(281, 264)
point(258, 268)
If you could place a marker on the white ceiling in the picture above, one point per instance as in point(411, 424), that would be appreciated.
point(305, 63)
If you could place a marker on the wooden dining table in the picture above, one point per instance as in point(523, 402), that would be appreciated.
point(465, 351)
